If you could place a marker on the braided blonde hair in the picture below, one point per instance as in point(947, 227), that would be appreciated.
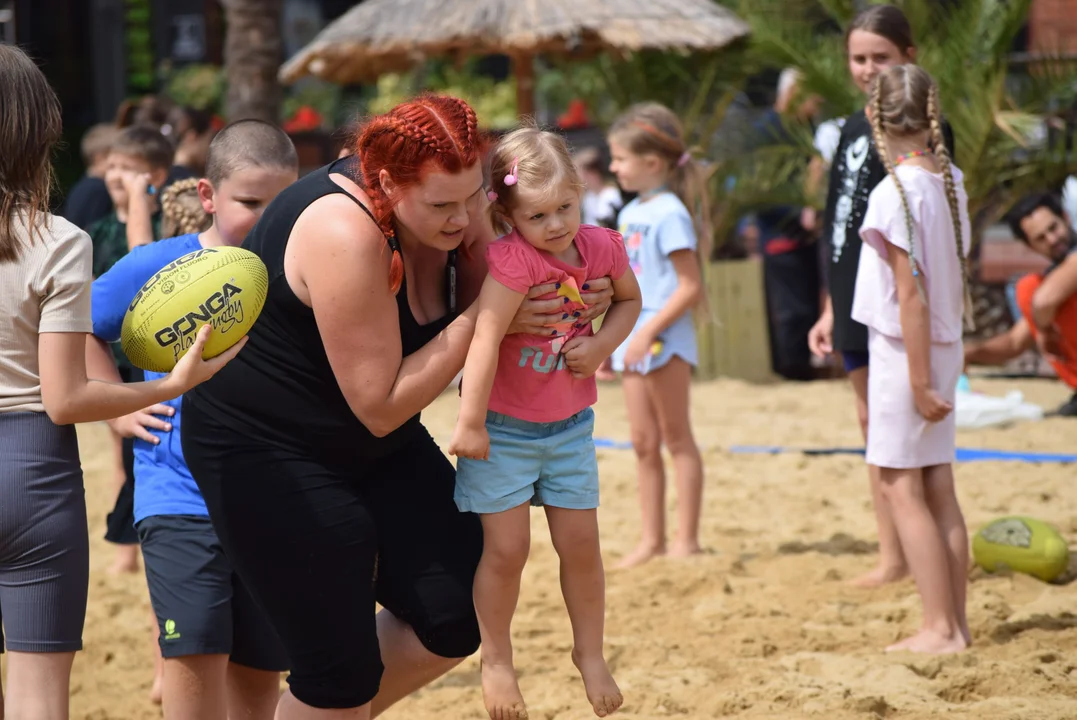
point(905, 101)
point(181, 209)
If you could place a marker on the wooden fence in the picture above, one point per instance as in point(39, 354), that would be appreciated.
point(734, 341)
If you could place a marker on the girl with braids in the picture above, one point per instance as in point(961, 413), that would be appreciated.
point(326, 492)
point(666, 234)
point(878, 38)
point(912, 294)
point(181, 210)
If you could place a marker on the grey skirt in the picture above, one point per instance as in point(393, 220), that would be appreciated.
point(44, 541)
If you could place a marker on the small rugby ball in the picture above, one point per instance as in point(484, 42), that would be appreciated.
point(1022, 544)
point(223, 286)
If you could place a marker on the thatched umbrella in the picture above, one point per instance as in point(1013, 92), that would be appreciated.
point(379, 36)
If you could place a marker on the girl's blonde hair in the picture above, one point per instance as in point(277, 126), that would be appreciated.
point(905, 101)
point(653, 129)
point(539, 160)
point(181, 209)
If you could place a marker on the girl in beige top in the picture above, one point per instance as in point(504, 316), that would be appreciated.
point(45, 279)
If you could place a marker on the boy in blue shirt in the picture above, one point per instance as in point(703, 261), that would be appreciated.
point(222, 658)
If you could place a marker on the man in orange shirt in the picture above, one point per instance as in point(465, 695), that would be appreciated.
point(1046, 300)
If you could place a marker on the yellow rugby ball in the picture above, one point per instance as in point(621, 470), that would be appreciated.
point(1023, 544)
point(223, 286)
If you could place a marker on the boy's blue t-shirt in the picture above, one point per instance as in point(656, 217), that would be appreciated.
point(653, 231)
point(163, 484)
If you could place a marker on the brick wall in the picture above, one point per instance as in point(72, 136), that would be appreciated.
point(1052, 26)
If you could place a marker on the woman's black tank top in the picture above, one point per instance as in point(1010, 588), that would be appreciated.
point(281, 389)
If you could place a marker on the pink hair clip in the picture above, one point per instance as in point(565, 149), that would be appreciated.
point(684, 159)
point(491, 196)
point(514, 174)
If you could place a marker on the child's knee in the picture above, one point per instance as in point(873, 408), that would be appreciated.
point(506, 555)
point(648, 445)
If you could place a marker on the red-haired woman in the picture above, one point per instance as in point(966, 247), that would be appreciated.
point(326, 492)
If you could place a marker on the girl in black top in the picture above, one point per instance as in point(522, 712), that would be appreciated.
point(878, 38)
point(326, 492)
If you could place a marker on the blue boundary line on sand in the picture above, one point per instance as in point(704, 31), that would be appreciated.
point(963, 454)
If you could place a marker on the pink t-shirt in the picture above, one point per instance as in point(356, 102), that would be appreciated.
point(875, 303)
point(532, 381)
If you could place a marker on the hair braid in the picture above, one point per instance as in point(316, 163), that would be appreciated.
point(884, 156)
point(181, 209)
point(943, 154)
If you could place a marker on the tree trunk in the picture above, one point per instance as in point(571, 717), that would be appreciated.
point(253, 52)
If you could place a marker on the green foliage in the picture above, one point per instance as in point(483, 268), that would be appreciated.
point(997, 113)
point(494, 102)
point(198, 86)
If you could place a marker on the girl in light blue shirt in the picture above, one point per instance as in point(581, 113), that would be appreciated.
point(665, 240)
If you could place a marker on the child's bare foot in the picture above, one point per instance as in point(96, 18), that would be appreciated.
point(931, 642)
point(602, 691)
point(880, 576)
point(683, 550)
point(126, 560)
point(640, 555)
point(501, 692)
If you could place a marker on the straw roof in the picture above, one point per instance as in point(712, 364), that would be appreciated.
point(379, 36)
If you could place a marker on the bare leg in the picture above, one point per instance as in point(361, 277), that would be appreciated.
point(669, 388)
point(892, 566)
point(126, 559)
point(506, 543)
point(38, 685)
point(583, 585)
point(157, 689)
point(651, 474)
point(942, 500)
point(252, 694)
point(408, 665)
point(292, 709)
point(195, 688)
point(928, 560)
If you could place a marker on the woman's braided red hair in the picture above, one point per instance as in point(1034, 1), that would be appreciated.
point(431, 130)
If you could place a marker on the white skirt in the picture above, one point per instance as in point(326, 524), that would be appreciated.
point(898, 436)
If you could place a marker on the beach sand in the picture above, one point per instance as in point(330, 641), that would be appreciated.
point(763, 625)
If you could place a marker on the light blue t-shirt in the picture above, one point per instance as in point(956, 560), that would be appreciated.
point(653, 231)
point(163, 484)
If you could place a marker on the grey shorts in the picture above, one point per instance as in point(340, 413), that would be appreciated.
point(202, 606)
point(44, 541)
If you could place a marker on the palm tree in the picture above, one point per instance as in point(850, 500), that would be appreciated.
point(998, 115)
point(252, 54)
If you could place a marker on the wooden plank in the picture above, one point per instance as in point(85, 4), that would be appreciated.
point(735, 341)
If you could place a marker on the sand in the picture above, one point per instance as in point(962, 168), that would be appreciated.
point(763, 625)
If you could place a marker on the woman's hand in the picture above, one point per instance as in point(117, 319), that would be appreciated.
point(535, 317)
point(192, 370)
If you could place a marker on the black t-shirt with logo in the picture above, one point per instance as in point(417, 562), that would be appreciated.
point(854, 173)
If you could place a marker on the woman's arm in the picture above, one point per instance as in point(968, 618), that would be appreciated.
point(916, 334)
point(70, 397)
point(342, 261)
point(497, 307)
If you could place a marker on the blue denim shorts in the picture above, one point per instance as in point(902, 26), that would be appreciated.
point(550, 463)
